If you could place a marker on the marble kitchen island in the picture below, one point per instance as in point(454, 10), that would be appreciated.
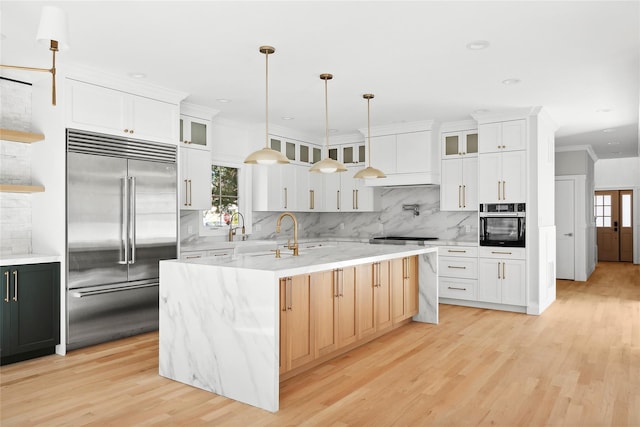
point(219, 319)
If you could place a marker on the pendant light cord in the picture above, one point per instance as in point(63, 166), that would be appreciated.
point(368, 134)
point(326, 115)
point(266, 102)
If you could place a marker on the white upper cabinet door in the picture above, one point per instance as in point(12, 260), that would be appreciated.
point(316, 191)
point(459, 144)
point(348, 200)
point(153, 120)
point(470, 184)
point(413, 152)
point(288, 187)
point(195, 132)
point(490, 178)
point(502, 136)
point(195, 183)
point(99, 109)
point(331, 193)
point(451, 185)
point(383, 153)
point(303, 188)
point(514, 177)
point(96, 108)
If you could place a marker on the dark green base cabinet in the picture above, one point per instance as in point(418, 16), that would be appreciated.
point(30, 311)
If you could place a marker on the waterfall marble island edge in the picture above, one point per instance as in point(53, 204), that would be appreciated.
point(219, 319)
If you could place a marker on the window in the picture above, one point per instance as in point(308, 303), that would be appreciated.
point(224, 198)
point(603, 210)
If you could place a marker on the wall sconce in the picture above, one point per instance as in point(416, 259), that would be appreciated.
point(52, 30)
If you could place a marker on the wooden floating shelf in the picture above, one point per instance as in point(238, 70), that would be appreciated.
point(20, 136)
point(11, 188)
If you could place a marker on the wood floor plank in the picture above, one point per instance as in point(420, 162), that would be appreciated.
point(576, 365)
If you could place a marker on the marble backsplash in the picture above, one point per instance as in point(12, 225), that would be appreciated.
point(391, 220)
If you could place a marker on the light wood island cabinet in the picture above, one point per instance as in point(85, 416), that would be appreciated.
point(404, 288)
point(296, 323)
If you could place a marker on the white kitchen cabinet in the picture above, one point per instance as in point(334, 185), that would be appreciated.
point(458, 272)
point(195, 180)
point(459, 184)
point(195, 132)
point(459, 144)
point(308, 190)
point(316, 191)
point(502, 136)
point(502, 177)
point(353, 154)
point(100, 109)
point(331, 194)
point(413, 152)
point(384, 153)
point(502, 281)
point(355, 196)
point(274, 187)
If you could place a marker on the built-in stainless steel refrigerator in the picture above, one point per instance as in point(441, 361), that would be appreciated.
point(121, 221)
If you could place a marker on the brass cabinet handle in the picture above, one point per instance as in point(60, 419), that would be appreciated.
point(290, 292)
point(456, 266)
point(464, 196)
point(457, 289)
point(499, 190)
point(6, 278)
point(501, 253)
point(186, 192)
point(284, 301)
point(335, 283)
point(357, 207)
point(353, 199)
point(311, 199)
point(126, 131)
point(338, 199)
point(190, 193)
point(286, 194)
point(504, 190)
point(193, 256)
point(341, 273)
point(499, 271)
point(457, 250)
point(15, 285)
point(459, 202)
point(504, 276)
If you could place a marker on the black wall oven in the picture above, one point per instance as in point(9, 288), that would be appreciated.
point(502, 224)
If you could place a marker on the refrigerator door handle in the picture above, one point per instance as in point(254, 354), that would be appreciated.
point(125, 221)
point(132, 218)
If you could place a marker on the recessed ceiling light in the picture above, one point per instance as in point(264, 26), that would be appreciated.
point(610, 130)
point(223, 100)
point(603, 110)
point(478, 45)
point(287, 118)
point(510, 82)
point(137, 75)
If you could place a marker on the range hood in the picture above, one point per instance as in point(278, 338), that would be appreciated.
point(405, 179)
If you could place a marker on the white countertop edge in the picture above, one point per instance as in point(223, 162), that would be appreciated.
point(311, 267)
point(23, 259)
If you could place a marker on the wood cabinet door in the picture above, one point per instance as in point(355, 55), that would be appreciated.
point(325, 311)
point(366, 288)
point(411, 286)
point(300, 322)
point(398, 300)
point(384, 320)
point(347, 311)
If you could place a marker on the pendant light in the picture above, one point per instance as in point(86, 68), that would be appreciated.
point(267, 155)
point(369, 172)
point(327, 165)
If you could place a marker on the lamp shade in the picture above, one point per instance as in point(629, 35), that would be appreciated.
point(328, 165)
point(266, 156)
point(369, 173)
point(53, 26)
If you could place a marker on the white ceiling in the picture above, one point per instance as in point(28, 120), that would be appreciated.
point(573, 58)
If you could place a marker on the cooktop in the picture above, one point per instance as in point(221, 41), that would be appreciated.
point(398, 240)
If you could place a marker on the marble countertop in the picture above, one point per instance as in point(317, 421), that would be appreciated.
point(27, 259)
point(320, 258)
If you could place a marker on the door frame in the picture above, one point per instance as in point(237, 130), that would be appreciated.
point(636, 215)
point(584, 243)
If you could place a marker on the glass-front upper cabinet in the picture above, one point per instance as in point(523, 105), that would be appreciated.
point(194, 132)
point(458, 144)
point(287, 148)
point(354, 154)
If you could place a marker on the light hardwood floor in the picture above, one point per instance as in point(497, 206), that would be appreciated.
point(578, 364)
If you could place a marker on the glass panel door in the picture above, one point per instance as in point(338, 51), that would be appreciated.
point(198, 133)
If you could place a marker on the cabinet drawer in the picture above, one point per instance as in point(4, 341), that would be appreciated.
point(458, 288)
point(193, 255)
point(458, 251)
point(503, 253)
point(465, 268)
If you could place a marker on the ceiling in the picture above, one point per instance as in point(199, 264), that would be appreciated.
point(579, 60)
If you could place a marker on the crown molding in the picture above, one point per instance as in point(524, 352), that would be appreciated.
point(459, 125)
point(395, 128)
point(199, 111)
point(587, 148)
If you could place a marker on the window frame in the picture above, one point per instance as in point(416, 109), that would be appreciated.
point(244, 200)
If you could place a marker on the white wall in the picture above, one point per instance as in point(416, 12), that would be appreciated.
point(622, 174)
